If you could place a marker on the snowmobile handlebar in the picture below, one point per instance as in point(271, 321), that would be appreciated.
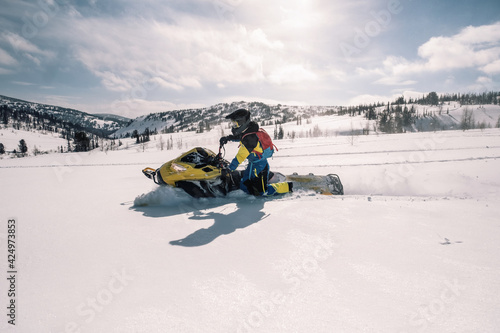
point(220, 157)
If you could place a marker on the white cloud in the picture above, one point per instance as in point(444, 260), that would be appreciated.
point(372, 98)
point(23, 46)
point(270, 101)
point(113, 82)
point(443, 53)
point(6, 59)
point(129, 108)
point(4, 71)
point(395, 81)
point(363, 72)
point(484, 80)
point(300, 15)
point(183, 51)
point(23, 83)
point(197, 50)
point(473, 47)
point(336, 74)
point(290, 74)
point(483, 83)
point(23, 50)
point(180, 56)
point(492, 68)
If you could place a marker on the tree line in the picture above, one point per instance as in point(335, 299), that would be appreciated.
point(401, 115)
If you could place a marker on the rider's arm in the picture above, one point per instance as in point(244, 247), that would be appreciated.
point(248, 144)
point(240, 157)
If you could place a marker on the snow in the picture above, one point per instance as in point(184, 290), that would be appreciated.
point(439, 117)
point(10, 138)
point(412, 247)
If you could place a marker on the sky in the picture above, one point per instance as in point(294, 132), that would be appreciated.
point(134, 57)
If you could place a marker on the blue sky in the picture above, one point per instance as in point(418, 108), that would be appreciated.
point(136, 57)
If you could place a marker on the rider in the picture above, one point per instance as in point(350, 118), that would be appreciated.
point(256, 146)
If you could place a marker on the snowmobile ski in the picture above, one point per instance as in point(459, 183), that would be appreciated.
point(326, 185)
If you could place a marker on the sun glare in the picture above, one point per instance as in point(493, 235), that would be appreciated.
point(299, 14)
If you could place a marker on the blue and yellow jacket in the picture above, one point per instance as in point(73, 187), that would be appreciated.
point(250, 148)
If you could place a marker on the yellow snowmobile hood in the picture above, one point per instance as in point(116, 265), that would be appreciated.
point(189, 166)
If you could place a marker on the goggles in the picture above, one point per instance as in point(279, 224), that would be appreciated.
point(234, 123)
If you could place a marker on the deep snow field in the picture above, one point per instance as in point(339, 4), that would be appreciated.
point(412, 246)
point(10, 138)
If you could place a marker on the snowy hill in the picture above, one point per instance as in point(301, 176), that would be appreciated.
point(59, 117)
point(297, 121)
point(412, 246)
point(451, 116)
point(44, 142)
point(209, 117)
point(447, 116)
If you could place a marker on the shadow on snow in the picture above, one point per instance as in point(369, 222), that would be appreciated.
point(246, 214)
point(249, 211)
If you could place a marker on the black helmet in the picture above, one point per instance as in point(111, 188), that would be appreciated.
point(240, 119)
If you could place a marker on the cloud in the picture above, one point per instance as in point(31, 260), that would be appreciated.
point(204, 51)
point(23, 50)
point(21, 45)
point(483, 83)
point(484, 80)
point(4, 71)
point(372, 98)
point(492, 68)
point(22, 83)
point(186, 48)
point(461, 50)
point(293, 73)
point(473, 47)
point(128, 108)
point(6, 58)
point(181, 55)
point(113, 81)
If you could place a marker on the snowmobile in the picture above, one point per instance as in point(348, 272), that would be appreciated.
point(198, 173)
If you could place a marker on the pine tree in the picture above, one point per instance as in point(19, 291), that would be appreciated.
point(145, 135)
point(371, 114)
point(135, 134)
point(398, 119)
point(467, 122)
point(82, 142)
point(386, 122)
point(281, 133)
point(161, 143)
point(432, 98)
point(23, 148)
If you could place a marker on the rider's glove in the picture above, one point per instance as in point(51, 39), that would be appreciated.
point(226, 139)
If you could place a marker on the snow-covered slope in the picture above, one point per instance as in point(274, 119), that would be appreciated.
point(182, 120)
point(47, 142)
point(447, 116)
point(450, 115)
point(40, 114)
point(412, 246)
